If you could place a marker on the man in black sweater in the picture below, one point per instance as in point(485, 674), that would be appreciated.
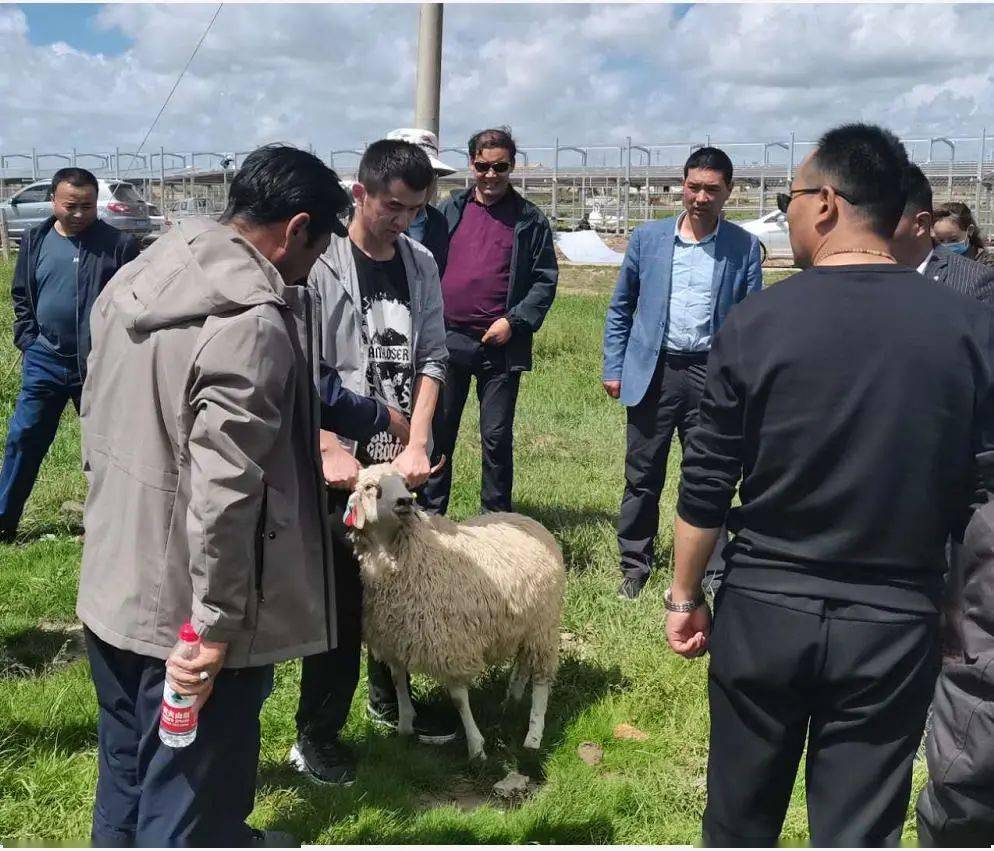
point(852, 401)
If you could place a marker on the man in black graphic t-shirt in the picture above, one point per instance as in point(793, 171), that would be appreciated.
point(381, 305)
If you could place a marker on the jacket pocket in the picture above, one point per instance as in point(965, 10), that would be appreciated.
point(259, 597)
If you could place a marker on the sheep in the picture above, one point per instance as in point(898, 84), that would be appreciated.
point(449, 599)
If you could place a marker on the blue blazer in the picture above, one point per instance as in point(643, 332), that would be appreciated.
point(639, 309)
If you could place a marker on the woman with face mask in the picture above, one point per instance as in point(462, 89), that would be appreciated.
point(954, 229)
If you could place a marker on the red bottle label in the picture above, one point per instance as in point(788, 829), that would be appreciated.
point(177, 720)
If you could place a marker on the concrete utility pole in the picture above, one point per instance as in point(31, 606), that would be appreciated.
point(429, 81)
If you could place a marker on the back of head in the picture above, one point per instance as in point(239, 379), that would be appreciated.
point(78, 177)
point(918, 191)
point(712, 159)
point(394, 159)
point(492, 137)
point(277, 182)
point(867, 165)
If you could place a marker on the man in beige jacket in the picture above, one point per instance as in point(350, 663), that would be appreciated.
point(200, 421)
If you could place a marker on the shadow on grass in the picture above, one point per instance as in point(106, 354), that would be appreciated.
point(70, 738)
point(37, 650)
point(403, 780)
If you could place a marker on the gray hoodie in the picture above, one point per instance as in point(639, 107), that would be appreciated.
point(200, 425)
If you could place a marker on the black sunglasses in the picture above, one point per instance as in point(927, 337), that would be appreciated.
point(784, 198)
point(499, 168)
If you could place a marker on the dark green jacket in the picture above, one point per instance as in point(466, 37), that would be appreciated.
point(534, 272)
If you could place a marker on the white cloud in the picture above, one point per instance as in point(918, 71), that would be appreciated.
point(336, 75)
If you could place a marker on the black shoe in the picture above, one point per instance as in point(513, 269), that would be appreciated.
point(326, 762)
point(272, 839)
point(8, 536)
point(431, 726)
point(631, 587)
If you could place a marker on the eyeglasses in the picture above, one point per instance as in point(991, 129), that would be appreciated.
point(498, 167)
point(784, 198)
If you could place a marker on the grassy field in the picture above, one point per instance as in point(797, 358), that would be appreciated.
point(615, 666)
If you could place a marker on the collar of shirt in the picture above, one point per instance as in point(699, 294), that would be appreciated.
point(708, 238)
point(924, 264)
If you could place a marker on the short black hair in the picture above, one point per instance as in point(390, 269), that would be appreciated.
point(493, 137)
point(394, 159)
point(867, 164)
point(276, 182)
point(714, 159)
point(918, 191)
point(78, 177)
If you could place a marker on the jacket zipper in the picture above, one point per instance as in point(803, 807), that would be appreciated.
point(260, 544)
point(315, 453)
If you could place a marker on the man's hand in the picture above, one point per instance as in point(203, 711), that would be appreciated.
point(612, 388)
point(413, 465)
point(184, 675)
point(688, 632)
point(400, 426)
point(341, 470)
point(498, 333)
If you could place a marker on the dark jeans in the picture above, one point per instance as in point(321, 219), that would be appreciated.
point(854, 680)
point(497, 392)
point(328, 680)
point(48, 382)
point(151, 795)
point(670, 404)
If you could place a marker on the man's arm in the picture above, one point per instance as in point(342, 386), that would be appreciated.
point(25, 324)
point(712, 467)
point(238, 419)
point(346, 413)
point(129, 250)
point(621, 311)
point(530, 312)
point(984, 289)
point(754, 270)
point(413, 463)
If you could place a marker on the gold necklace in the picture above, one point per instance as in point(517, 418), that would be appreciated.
point(875, 252)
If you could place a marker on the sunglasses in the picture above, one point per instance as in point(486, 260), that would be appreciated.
point(499, 168)
point(784, 198)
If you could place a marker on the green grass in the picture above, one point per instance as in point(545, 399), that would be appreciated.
point(616, 669)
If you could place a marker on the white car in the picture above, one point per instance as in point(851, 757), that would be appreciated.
point(771, 229)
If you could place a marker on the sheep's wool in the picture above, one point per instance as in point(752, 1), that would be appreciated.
point(448, 599)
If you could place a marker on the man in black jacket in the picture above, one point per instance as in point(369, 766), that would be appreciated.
point(913, 246)
point(498, 286)
point(62, 266)
point(855, 402)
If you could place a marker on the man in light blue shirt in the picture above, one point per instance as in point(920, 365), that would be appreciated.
point(679, 279)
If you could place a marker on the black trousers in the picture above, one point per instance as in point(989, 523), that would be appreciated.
point(150, 795)
point(853, 680)
point(497, 392)
point(670, 404)
point(328, 680)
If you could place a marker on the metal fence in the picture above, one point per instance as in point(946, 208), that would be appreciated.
point(613, 186)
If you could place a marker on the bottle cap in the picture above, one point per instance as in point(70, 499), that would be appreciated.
point(188, 633)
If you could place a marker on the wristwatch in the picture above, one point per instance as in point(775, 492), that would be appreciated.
point(685, 606)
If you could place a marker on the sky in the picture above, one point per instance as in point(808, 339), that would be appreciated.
point(93, 76)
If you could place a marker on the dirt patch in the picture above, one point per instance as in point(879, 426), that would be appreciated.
point(41, 649)
point(630, 733)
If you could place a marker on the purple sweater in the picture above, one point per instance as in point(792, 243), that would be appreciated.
point(474, 287)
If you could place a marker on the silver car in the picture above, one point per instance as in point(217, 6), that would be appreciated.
point(118, 204)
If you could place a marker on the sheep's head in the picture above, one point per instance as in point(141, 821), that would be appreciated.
point(381, 500)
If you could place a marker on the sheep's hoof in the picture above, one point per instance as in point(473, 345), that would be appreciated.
point(405, 730)
point(533, 744)
point(477, 755)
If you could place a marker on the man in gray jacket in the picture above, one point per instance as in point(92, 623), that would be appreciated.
point(200, 422)
point(384, 333)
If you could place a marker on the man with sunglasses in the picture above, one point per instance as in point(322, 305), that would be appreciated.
point(855, 402)
point(498, 286)
point(679, 279)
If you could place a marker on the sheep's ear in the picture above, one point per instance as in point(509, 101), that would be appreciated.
point(355, 516)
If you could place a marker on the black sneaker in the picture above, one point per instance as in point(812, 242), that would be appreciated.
point(272, 839)
point(431, 726)
point(631, 587)
point(326, 762)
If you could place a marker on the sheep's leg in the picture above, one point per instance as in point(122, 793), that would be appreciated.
point(474, 738)
point(405, 709)
point(536, 722)
point(517, 683)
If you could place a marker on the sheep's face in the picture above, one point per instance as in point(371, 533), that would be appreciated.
point(381, 500)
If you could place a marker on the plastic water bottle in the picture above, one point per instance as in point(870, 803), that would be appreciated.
point(178, 721)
